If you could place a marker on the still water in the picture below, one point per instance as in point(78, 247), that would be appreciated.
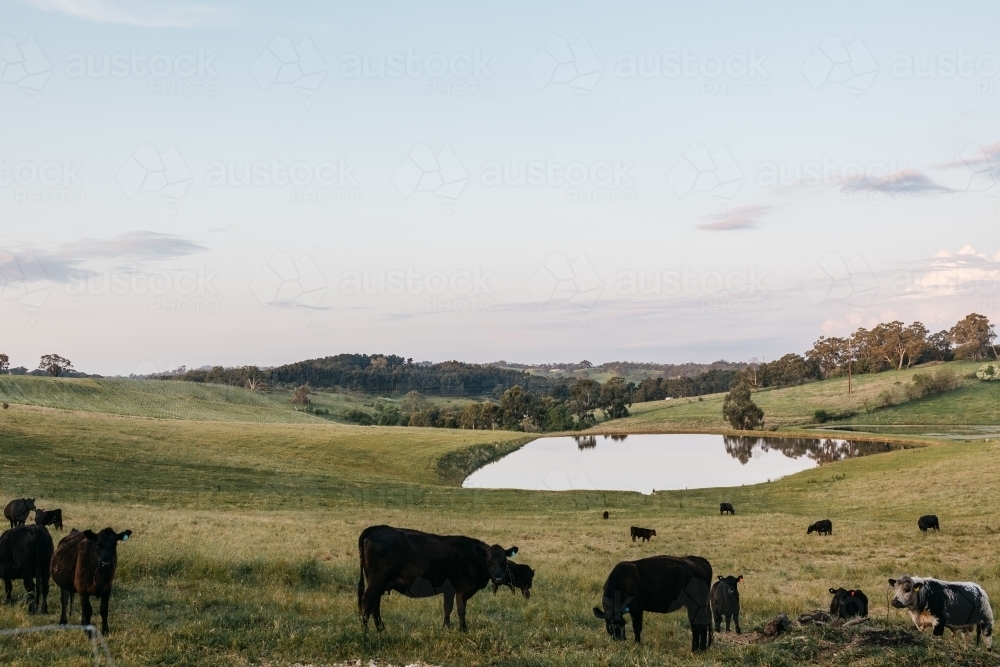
point(645, 463)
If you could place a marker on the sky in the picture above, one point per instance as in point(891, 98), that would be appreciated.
point(249, 183)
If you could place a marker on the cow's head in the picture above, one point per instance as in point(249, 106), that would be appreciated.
point(106, 542)
point(811, 529)
point(29, 503)
point(613, 615)
point(731, 583)
point(653, 533)
point(906, 592)
point(496, 563)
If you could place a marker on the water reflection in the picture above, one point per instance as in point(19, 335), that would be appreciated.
point(827, 450)
point(660, 461)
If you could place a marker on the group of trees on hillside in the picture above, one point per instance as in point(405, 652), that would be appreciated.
point(710, 382)
point(49, 364)
point(564, 407)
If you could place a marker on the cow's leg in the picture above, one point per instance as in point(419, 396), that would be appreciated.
point(88, 611)
point(460, 599)
point(939, 626)
point(43, 587)
point(371, 604)
point(636, 625)
point(65, 597)
point(29, 587)
point(104, 610)
point(736, 618)
point(718, 621)
point(449, 602)
point(729, 618)
point(8, 584)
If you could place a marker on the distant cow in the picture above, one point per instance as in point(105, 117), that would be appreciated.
point(605, 515)
point(660, 584)
point(927, 522)
point(17, 511)
point(85, 563)
point(26, 553)
point(958, 606)
point(519, 577)
point(848, 603)
point(823, 527)
point(49, 518)
point(419, 565)
point(726, 602)
point(726, 508)
point(643, 533)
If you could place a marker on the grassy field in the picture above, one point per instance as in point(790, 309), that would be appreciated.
point(245, 543)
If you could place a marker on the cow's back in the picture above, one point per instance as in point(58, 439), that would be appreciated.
point(662, 579)
point(65, 559)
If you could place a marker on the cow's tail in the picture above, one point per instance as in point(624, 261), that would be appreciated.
point(361, 575)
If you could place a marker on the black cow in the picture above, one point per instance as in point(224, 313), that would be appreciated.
point(49, 518)
point(726, 508)
point(86, 563)
point(26, 554)
point(17, 511)
point(927, 522)
point(419, 564)
point(660, 584)
point(823, 527)
point(848, 603)
point(726, 602)
point(605, 515)
point(519, 577)
point(643, 533)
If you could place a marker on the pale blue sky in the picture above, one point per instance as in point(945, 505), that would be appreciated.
point(705, 207)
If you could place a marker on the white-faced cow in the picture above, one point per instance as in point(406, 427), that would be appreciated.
point(419, 565)
point(660, 584)
point(85, 563)
point(26, 554)
point(958, 606)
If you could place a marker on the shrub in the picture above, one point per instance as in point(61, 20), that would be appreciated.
point(924, 385)
point(989, 372)
point(359, 417)
point(740, 410)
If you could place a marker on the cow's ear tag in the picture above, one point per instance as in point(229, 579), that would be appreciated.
point(625, 610)
point(125, 538)
point(916, 587)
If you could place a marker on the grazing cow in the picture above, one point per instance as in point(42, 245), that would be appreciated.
point(17, 511)
point(49, 518)
point(25, 553)
point(928, 521)
point(726, 508)
point(823, 527)
point(848, 603)
point(660, 584)
point(419, 564)
point(605, 515)
point(643, 533)
point(519, 577)
point(726, 602)
point(85, 563)
point(958, 606)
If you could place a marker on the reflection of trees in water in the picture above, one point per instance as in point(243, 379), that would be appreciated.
point(590, 441)
point(827, 450)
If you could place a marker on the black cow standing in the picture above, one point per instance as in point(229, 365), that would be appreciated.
point(49, 518)
point(927, 522)
point(726, 508)
point(823, 527)
point(419, 564)
point(26, 554)
point(17, 511)
point(848, 603)
point(642, 533)
point(605, 515)
point(726, 602)
point(519, 578)
point(660, 584)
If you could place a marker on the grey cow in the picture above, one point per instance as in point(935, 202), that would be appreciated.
point(958, 606)
point(726, 602)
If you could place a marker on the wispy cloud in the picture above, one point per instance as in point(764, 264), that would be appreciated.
point(905, 181)
point(742, 217)
point(145, 13)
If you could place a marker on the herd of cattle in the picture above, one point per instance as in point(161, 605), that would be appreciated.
point(418, 564)
point(84, 563)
